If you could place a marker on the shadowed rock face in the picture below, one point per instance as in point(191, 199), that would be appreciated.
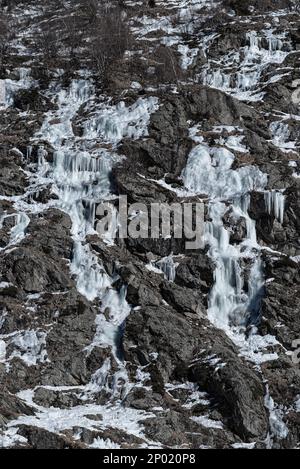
point(142, 342)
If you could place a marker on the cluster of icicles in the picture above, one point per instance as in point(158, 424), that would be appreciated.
point(247, 66)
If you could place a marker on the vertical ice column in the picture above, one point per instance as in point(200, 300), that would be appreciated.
point(275, 203)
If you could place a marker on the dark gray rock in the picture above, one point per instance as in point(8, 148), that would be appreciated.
point(39, 438)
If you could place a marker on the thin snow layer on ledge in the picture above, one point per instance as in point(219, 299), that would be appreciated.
point(234, 142)
point(206, 422)
point(113, 123)
point(209, 172)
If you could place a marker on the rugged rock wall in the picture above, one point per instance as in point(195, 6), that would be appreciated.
point(140, 342)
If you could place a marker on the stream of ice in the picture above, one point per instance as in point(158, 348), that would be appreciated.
point(80, 178)
point(239, 73)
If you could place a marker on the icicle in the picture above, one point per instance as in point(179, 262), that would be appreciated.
point(18, 231)
point(116, 122)
point(8, 87)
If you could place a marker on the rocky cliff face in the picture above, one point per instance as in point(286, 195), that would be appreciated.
point(139, 342)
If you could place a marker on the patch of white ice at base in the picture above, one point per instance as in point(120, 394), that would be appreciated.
point(255, 347)
point(57, 420)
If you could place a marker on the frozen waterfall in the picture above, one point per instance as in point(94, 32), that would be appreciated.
point(234, 301)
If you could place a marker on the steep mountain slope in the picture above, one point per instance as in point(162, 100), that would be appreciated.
point(109, 343)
